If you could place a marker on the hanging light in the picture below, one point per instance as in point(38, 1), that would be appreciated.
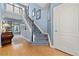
point(6, 25)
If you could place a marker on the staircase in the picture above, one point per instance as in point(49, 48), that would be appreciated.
point(38, 38)
point(36, 30)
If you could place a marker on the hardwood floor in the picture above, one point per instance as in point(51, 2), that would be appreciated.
point(24, 48)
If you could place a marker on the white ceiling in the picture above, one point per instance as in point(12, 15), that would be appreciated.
point(25, 4)
point(43, 5)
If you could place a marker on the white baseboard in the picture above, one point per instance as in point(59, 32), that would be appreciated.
point(49, 40)
point(21, 36)
point(33, 37)
point(51, 46)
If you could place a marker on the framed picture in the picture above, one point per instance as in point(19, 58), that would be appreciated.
point(33, 12)
point(38, 14)
point(16, 28)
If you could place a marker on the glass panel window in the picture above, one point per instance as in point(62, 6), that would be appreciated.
point(20, 11)
point(16, 10)
point(9, 8)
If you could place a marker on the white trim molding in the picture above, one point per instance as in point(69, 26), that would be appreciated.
point(33, 37)
point(27, 24)
point(49, 41)
point(39, 27)
point(25, 38)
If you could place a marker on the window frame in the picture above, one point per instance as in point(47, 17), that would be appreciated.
point(20, 11)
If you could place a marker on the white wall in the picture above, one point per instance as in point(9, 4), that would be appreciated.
point(26, 33)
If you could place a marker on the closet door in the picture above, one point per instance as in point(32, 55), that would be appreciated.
point(65, 28)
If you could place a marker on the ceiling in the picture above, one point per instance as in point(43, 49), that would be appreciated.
point(25, 4)
point(42, 5)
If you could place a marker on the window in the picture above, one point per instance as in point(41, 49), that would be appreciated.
point(13, 8)
point(16, 10)
point(9, 8)
point(20, 11)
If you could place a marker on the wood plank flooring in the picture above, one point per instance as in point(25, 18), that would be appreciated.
point(24, 48)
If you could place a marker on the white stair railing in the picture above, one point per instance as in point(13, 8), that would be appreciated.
point(40, 28)
point(27, 24)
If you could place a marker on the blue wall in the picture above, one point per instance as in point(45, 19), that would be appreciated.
point(42, 22)
point(26, 33)
point(49, 21)
point(46, 21)
point(1, 6)
point(1, 9)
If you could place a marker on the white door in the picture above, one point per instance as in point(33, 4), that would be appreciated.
point(65, 28)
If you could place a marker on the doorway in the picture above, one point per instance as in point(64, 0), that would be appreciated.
point(65, 28)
